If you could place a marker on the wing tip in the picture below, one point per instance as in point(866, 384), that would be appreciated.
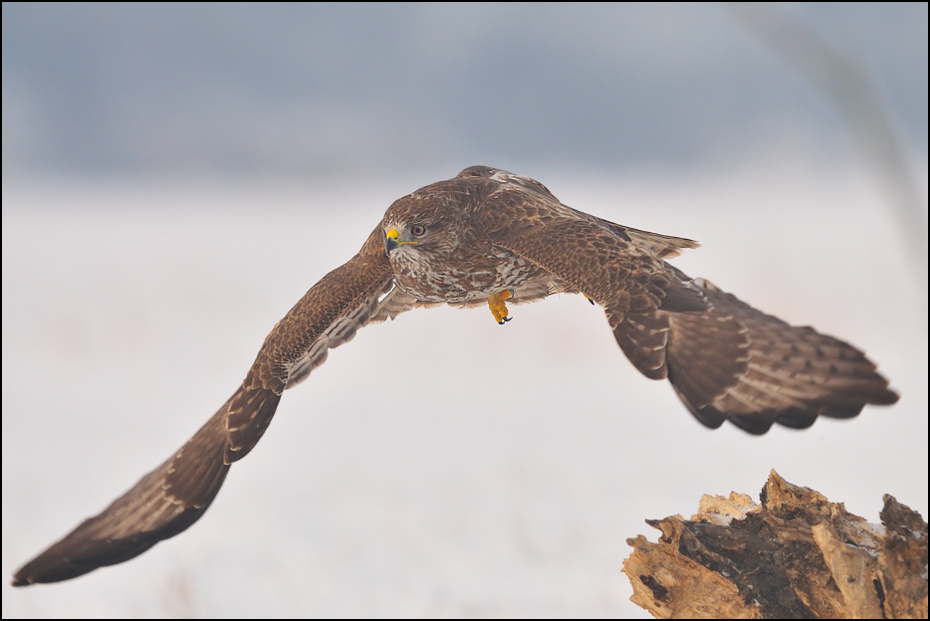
point(886, 397)
point(19, 581)
point(47, 568)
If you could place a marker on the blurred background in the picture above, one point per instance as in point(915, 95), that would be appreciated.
point(176, 176)
point(317, 90)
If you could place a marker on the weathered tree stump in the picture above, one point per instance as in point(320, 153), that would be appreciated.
point(795, 555)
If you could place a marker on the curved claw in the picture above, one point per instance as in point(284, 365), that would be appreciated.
point(498, 307)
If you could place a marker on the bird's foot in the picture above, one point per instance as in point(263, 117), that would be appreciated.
point(498, 307)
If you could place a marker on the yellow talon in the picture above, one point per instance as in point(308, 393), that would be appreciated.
point(497, 306)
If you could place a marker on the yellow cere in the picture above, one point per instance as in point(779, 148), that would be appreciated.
point(393, 234)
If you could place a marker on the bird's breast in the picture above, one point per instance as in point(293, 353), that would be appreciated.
point(463, 277)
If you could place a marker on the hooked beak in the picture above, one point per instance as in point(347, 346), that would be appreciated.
point(392, 240)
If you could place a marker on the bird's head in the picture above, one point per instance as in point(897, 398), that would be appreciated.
point(429, 222)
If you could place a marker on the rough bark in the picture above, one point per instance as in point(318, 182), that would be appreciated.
point(794, 555)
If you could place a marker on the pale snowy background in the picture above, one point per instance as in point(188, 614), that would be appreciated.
point(174, 179)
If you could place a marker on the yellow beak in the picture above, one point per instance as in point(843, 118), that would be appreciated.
point(393, 240)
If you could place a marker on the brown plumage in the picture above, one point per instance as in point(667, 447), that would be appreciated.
point(487, 236)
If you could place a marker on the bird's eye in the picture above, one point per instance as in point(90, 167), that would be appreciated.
point(418, 230)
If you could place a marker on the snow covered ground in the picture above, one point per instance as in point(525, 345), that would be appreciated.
point(439, 464)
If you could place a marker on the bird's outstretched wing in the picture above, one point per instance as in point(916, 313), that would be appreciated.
point(726, 360)
point(791, 374)
point(173, 496)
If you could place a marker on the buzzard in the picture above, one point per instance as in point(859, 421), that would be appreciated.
point(491, 237)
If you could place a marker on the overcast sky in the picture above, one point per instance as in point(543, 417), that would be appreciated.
point(310, 90)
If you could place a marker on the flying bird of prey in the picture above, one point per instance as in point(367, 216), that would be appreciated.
point(491, 237)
